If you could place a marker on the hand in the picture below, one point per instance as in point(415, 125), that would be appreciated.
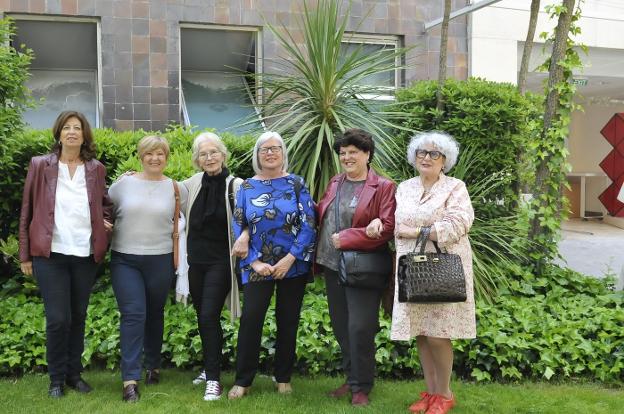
point(374, 229)
point(241, 245)
point(126, 174)
point(108, 226)
point(283, 266)
point(26, 268)
point(406, 232)
point(336, 240)
point(261, 268)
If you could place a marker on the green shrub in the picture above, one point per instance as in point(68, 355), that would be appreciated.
point(14, 98)
point(568, 326)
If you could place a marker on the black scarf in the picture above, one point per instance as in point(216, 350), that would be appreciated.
point(210, 196)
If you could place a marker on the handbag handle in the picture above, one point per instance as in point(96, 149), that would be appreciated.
point(422, 241)
point(336, 207)
point(176, 215)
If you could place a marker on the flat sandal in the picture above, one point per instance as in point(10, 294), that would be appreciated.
point(237, 392)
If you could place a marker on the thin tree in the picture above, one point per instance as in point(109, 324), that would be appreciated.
point(552, 105)
point(443, 53)
point(522, 75)
point(528, 46)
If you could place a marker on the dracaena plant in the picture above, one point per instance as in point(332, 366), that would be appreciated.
point(320, 88)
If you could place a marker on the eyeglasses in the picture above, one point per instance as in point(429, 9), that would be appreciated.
point(434, 155)
point(274, 150)
point(210, 154)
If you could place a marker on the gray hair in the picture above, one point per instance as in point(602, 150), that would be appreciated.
point(440, 140)
point(213, 139)
point(261, 140)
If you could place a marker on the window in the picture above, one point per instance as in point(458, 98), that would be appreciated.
point(64, 71)
point(215, 89)
point(382, 85)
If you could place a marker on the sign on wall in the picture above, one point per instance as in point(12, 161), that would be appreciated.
point(613, 165)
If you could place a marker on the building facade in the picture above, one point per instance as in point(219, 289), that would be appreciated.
point(144, 64)
point(495, 53)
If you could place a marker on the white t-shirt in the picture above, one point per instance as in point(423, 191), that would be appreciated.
point(72, 218)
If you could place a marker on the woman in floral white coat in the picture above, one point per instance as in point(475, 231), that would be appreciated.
point(433, 199)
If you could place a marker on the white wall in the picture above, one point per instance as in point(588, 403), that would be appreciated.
point(588, 147)
point(495, 30)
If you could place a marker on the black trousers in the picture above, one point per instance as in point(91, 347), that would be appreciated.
point(209, 286)
point(257, 297)
point(65, 283)
point(354, 315)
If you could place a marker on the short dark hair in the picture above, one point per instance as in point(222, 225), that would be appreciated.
point(87, 149)
point(359, 138)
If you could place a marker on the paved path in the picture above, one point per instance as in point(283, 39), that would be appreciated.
point(593, 248)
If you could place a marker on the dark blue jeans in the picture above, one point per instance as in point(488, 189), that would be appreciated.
point(65, 283)
point(141, 284)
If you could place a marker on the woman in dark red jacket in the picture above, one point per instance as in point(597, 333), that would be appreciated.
point(63, 232)
point(366, 222)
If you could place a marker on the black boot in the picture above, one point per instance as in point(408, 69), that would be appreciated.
point(78, 384)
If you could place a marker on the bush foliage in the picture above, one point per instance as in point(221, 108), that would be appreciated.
point(14, 98)
point(560, 326)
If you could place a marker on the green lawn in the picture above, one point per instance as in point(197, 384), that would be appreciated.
point(176, 394)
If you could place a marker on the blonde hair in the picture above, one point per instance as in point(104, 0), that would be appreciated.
point(151, 143)
point(211, 138)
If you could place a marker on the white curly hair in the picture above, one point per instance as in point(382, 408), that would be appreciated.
point(442, 141)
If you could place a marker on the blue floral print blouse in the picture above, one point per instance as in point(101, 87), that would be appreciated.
point(277, 225)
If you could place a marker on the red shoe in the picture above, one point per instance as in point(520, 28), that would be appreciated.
point(422, 404)
point(440, 405)
point(339, 392)
point(359, 399)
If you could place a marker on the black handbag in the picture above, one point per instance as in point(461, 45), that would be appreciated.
point(430, 277)
point(362, 269)
point(365, 270)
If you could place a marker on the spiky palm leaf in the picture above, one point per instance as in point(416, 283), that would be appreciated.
point(315, 93)
point(497, 251)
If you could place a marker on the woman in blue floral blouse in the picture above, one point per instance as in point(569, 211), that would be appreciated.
point(275, 228)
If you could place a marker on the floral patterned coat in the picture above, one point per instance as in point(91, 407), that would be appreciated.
point(277, 224)
point(448, 209)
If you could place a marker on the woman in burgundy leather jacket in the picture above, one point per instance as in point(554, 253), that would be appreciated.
point(63, 232)
point(366, 222)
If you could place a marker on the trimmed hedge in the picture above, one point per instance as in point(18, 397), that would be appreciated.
point(569, 327)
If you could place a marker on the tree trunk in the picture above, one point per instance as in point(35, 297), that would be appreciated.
point(443, 50)
point(551, 107)
point(524, 69)
point(528, 46)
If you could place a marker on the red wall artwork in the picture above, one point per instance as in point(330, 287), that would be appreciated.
point(613, 165)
